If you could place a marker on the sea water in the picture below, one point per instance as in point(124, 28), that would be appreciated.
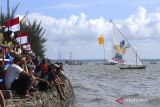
point(108, 86)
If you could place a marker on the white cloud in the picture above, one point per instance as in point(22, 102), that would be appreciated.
point(142, 25)
point(79, 34)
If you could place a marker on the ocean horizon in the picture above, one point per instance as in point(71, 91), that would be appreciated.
point(95, 61)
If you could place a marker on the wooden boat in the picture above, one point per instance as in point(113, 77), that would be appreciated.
point(153, 62)
point(132, 67)
point(110, 63)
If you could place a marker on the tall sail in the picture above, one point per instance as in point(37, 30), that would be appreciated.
point(121, 51)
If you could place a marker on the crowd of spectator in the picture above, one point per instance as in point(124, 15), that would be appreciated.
point(24, 73)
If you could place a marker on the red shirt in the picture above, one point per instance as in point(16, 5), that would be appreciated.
point(44, 67)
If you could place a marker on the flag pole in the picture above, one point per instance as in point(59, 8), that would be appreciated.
point(101, 42)
point(1, 12)
point(8, 9)
point(104, 53)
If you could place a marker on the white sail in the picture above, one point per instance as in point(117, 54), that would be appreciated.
point(122, 52)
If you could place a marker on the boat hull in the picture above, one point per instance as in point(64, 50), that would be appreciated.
point(132, 67)
point(111, 63)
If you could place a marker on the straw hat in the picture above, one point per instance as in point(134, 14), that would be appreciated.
point(56, 65)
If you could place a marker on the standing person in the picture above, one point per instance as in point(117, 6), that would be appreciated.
point(43, 68)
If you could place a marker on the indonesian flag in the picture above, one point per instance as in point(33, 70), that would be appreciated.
point(22, 38)
point(27, 46)
point(14, 25)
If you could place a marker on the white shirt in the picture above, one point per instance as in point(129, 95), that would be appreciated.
point(12, 73)
point(19, 51)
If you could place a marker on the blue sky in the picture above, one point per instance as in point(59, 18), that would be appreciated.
point(93, 8)
point(74, 25)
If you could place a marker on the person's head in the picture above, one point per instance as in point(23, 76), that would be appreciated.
point(29, 59)
point(61, 66)
point(30, 68)
point(17, 60)
point(36, 58)
point(44, 61)
point(7, 50)
point(122, 43)
point(57, 67)
point(8, 35)
point(51, 68)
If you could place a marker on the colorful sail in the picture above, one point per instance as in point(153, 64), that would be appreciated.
point(122, 52)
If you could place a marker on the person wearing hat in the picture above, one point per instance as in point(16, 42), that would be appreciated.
point(13, 72)
point(16, 78)
point(54, 79)
point(59, 69)
point(60, 81)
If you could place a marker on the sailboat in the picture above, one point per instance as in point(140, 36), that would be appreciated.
point(122, 51)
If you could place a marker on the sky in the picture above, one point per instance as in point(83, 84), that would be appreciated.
point(73, 26)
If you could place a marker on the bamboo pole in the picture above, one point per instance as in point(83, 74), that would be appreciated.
point(104, 54)
point(8, 9)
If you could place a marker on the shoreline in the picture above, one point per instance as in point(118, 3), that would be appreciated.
point(50, 98)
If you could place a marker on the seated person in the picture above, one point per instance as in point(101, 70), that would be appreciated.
point(51, 73)
point(55, 80)
point(43, 68)
point(59, 70)
point(13, 72)
point(16, 78)
point(34, 78)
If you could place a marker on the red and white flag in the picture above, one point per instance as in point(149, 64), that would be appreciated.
point(22, 38)
point(14, 25)
point(27, 46)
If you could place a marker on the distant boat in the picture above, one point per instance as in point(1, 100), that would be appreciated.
point(153, 62)
point(110, 63)
point(122, 52)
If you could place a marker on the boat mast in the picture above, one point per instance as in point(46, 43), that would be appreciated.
point(127, 41)
point(59, 56)
point(136, 59)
